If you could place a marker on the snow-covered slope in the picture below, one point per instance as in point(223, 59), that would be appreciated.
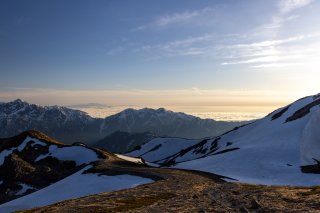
point(79, 154)
point(68, 188)
point(32, 160)
point(164, 122)
point(36, 170)
point(310, 141)
point(268, 151)
point(159, 149)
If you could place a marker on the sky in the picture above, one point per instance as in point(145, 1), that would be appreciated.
point(217, 55)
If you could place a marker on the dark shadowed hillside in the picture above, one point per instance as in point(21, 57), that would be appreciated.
point(121, 142)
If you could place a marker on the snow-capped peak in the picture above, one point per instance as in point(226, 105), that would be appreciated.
point(19, 101)
point(163, 122)
point(18, 116)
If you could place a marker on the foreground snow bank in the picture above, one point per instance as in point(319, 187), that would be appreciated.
point(263, 172)
point(81, 155)
point(74, 186)
point(310, 142)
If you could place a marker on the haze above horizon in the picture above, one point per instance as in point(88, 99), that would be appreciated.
point(233, 56)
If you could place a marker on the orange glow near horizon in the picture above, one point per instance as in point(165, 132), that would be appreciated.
point(216, 104)
point(161, 98)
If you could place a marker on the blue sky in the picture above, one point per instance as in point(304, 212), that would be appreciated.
point(159, 53)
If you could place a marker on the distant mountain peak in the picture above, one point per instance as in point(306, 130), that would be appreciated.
point(19, 101)
point(66, 124)
point(164, 122)
point(162, 110)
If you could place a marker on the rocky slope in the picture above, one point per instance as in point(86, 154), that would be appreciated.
point(36, 170)
point(32, 160)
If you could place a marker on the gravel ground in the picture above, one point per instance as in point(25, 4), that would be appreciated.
point(188, 191)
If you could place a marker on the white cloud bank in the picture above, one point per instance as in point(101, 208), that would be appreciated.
point(165, 20)
point(183, 97)
point(287, 6)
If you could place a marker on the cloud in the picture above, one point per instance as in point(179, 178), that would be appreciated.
point(286, 52)
point(192, 46)
point(269, 43)
point(260, 46)
point(282, 16)
point(254, 60)
point(275, 25)
point(115, 51)
point(186, 47)
point(287, 6)
point(275, 53)
point(197, 90)
point(277, 65)
point(174, 18)
point(143, 98)
point(268, 59)
point(190, 41)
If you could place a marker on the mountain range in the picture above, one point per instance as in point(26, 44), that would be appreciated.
point(71, 125)
point(164, 122)
point(59, 122)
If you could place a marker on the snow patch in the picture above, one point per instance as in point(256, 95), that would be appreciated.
point(4, 154)
point(310, 142)
point(131, 159)
point(74, 186)
point(23, 145)
point(24, 189)
point(81, 155)
point(152, 164)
